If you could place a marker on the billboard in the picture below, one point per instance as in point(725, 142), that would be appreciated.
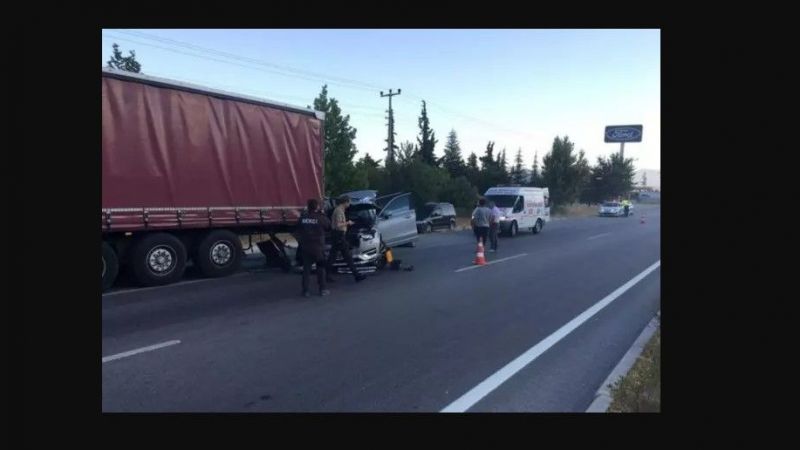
point(623, 133)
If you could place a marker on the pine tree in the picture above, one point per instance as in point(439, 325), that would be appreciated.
point(127, 63)
point(517, 171)
point(427, 138)
point(452, 160)
point(502, 165)
point(536, 176)
point(473, 172)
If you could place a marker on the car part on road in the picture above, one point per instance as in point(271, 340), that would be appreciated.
point(158, 259)
point(274, 251)
point(538, 227)
point(218, 254)
point(110, 267)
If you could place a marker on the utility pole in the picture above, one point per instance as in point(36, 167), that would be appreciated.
point(390, 140)
point(622, 150)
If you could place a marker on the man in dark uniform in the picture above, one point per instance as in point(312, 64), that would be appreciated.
point(313, 225)
point(339, 224)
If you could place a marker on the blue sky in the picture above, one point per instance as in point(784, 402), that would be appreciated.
point(519, 88)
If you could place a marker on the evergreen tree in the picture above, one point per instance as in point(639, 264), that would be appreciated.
point(427, 138)
point(127, 63)
point(517, 171)
point(452, 160)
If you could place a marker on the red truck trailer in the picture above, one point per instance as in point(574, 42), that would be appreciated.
point(187, 170)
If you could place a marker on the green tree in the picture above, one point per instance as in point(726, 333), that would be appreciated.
point(340, 172)
point(472, 171)
point(127, 63)
point(536, 176)
point(460, 192)
point(561, 173)
point(452, 160)
point(583, 174)
point(427, 138)
point(503, 176)
point(407, 153)
point(368, 168)
point(517, 173)
point(612, 177)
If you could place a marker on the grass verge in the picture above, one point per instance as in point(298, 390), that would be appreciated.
point(640, 389)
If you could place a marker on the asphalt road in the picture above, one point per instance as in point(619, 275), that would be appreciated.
point(418, 341)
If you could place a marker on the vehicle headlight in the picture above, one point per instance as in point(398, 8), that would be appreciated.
point(503, 217)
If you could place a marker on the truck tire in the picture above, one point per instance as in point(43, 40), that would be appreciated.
point(158, 259)
point(428, 228)
point(512, 230)
point(218, 254)
point(538, 227)
point(110, 266)
point(452, 225)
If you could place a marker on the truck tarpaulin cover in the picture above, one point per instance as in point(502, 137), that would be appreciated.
point(167, 150)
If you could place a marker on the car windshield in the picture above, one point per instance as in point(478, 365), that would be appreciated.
point(610, 204)
point(502, 201)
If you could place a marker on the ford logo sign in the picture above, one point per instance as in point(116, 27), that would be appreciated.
point(624, 133)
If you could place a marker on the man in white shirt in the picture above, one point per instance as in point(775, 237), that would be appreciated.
point(494, 226)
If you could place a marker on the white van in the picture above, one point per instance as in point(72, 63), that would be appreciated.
point(522, 208)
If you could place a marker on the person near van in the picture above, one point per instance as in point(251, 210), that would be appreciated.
point(339, 239)
point(313, 225)
point(627, 205)
point(494, 226)
point(481, 219)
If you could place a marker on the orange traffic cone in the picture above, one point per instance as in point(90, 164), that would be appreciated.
point(641, 221)
point(479, 258)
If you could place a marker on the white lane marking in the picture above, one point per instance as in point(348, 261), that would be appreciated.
point(597, 236)
point(139, 350)
point(182, 283)
point(488, 385)
point(491, 262)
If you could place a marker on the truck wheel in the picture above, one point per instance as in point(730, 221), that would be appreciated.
point(110, 266)
point(158, 259)
point(452, 225)
point(538, 227)
point(429, 228)
point(513, 230)
point(218, 254)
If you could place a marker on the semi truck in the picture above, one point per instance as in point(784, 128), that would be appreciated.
point(187, 171)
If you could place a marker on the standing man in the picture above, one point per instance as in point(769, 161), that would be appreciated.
point(313, 225)
point(494, 226)
point(339, 240)
point(481, 218)
point(627, 205)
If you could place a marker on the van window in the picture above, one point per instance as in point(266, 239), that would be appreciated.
point(519, 205)
point(502, 201)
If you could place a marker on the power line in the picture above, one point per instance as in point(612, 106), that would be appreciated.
point(297, 73)
point(234, 63)
point(249, 59)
